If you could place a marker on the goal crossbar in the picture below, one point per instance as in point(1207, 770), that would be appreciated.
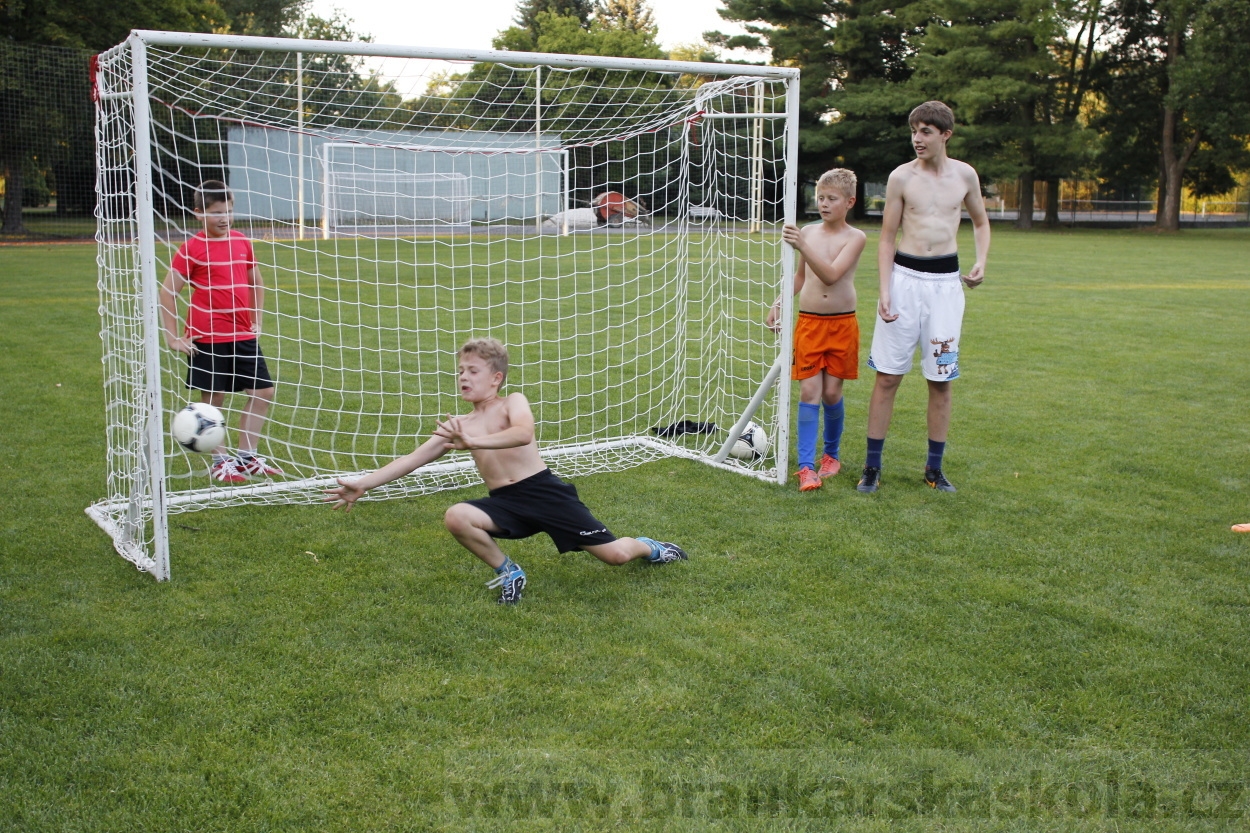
point(431, 53)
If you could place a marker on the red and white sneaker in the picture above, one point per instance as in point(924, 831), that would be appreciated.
point(829, 466)
point(257, 467)
point(227, 471)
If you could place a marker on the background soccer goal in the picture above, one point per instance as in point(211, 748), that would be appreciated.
point(403, 200)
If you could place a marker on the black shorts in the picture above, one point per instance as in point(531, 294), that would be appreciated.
point(543, 503)
point(228, 367)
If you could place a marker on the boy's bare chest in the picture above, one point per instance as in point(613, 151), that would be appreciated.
point(479, 424)
point(929, 195)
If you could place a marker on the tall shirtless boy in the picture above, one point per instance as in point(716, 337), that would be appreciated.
point(922, 298)
point(826, 339)
point(525, 496)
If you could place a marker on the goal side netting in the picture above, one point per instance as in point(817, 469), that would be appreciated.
point(614, 222)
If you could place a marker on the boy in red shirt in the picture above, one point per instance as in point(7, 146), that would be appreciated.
point(222, 323)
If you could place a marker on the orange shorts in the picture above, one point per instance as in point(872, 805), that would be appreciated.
point(828, 342)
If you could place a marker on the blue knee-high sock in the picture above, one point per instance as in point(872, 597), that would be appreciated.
point(835, 419)
point(809, 419)
point(875, 447)
point(936, 449)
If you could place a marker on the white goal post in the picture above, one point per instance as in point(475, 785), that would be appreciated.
point(438, 186)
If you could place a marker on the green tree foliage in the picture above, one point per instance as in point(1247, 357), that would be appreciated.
point(45, 139)
point(1018, 73)
point(338, 91)
point(265, 17)
point(1001, 65)
point(1175, 97)
point(632, 15)
point(91, 24)
point(259, 87)
point(523, 36)
point(854, 56)
point(45, 129)
point(492, 97)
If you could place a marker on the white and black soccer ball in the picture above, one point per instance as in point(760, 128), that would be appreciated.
point(199, 427)
point(752, 443)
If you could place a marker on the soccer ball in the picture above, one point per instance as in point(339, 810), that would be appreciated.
point(199, 427)
point(752, 443)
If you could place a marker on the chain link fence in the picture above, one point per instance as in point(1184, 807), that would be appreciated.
point(47, 157)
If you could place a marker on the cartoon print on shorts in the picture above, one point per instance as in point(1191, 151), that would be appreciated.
point(947, 359)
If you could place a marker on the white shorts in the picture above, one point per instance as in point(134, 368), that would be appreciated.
point(930, 310)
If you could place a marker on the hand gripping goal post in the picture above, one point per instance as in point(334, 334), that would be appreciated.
point(401, 200)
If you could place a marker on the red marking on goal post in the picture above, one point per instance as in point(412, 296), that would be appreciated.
point(694, 122)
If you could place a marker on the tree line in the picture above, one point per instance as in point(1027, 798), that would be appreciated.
point(1132, 93)
point(45, 106)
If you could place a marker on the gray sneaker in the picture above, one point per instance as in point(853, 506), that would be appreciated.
point(870, 480)
point(937, 480)
point(670, 553)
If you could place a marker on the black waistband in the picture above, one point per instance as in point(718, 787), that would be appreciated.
point(940, 265)
point(538, 479)
point(826, 314)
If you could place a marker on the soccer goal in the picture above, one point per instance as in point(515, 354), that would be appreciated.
point(362, 199)
point(402, 200)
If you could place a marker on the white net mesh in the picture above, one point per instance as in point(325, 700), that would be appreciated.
point(603, 223)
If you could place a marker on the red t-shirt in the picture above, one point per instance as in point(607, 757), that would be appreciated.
point(221, 294)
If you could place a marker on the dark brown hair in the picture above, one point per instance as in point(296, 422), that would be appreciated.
point(211, 192)
point(934, 113)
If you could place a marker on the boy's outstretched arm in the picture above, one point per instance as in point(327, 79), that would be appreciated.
point(345, 495)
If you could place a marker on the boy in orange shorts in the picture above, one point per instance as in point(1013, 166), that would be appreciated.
point(826, 339)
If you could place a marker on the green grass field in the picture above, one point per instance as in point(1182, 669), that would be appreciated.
point(1062, 645)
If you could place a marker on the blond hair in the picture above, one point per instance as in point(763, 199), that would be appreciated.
point(491, 351)
point(840, 178)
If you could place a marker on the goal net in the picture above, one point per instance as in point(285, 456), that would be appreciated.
point(359, 198)
point(613, 221)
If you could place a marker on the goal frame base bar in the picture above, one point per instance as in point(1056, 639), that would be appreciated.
point(104, 512)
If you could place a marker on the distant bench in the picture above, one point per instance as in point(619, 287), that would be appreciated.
point(700, 213)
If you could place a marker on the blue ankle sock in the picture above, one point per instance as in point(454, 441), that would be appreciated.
point(835, 418)
point(507, 566)
point(936, 450)
point(875, 447)
point(809, 420)
point(654, 545)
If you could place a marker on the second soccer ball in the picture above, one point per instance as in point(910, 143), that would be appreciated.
point(752, 443)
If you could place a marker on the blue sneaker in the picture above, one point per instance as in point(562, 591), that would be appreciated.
point(511, 583)
point(663, 552)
